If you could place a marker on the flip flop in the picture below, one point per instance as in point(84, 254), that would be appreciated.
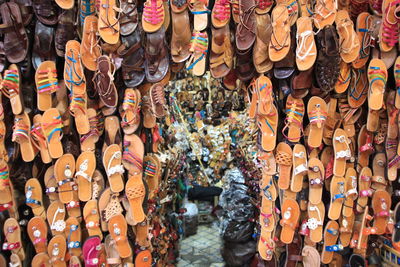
point(12, 238)
point(51, 184)
point(38, 140)
point(221, 13)
point(46, 84)
point(52, 128)
point(56, 213)
point(33, 197)
point(379, 166)
point(290, 220)
point(91, 216)
point(198, 49)
point(352, 193)
point(266, 246)
point(311, 257)
point(64, 170)
point(135, 192)
point(21, 135)
point(284, 157)
point(37, 231)
point(348, 39)
point(366, 148)
point(342, 152)
point(108, 24)
point(41, 260)
point(96, 122)
point(337, 190)
point(143, 259)
point(73, 234)
point(86, 165)
point(268, 126)
point(316, 173)
point(153, 15)
point(344, 78)
point(294, 119)
point(299, 167)
point(331, 235)
point(315, 222)
point(317, 115)
point(363, 25)
point(324, 13)
point(90, 50)
point(200, 14)
point(377, 77)
point(112, 159)
point(381, 203)
point(130, 116)
point(306, 50)
point(346, 229)
point(118, 231)
point(91, 251)
point(262, 97)
point(388, 33)
point(279, 45)
point(113, 257)
point(57, 249)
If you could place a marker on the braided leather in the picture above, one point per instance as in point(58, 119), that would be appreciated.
point(135, 192)
point(113, 208)
point(283, 158)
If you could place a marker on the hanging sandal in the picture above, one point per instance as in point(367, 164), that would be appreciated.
point(290, 220)
point(86, 165)
point(91, 251)
point(108, 26)
point(377, 77)
point(364, 188)
point(331, 235)
point(46, 84)
point(64, 170)
point(294, 119)
point(73, 234)
point(348, 39)
point(315, 222)
point(90, 49)
point(129, 17)
point(284, 157)
point(344, 78)
point(37, 231)
point(153, 15)
point(12, 240)
point(366, 148)
point(112, 159)
point(346, 229)
point(135, 192)
point(33, 197)
point(280, 40)
point(342, 152)
point(133, 154)
point(21, 135)
point(391, 147)
point(358, 90)
point(57, 249)
point(118, 231)
point(389, 30)
point(104, 82)
point(52, 127)
point(56, 213)
point(365, 231)
point(337, 190)
point(363, 30)
point(221, 56)
point(317, 114)
point(200, 13)
point(324, 13)
point(396, 73)
point(130, 115)
point(316, 173)
point(379, 166)
point(198, 50)
point(381, 203)
point(351, 193)
point(10, 87)
point(38, 140)
point(299, 167)
point(306, 50)
point(221, 13)
point(91, 216)
point(268, 127)
point(96, 122)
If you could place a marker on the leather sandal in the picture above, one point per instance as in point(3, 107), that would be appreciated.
point(379, 166)
point(108, 25)
point(37, 231)
point(10, 87)
point(181, 33)
point(351, 193)
point(289, 221)
point(221, 13)
point(51, 184)
point(33, 197)
point(57, 249)
point(221, 56)
point(156, 65)
point(46, 84)
point(91, 215)
point(143, 258)
point(337, 190)
point(52, 128)
point(284, 157)
point(132, 157)
point(366, 148)
point(317, 115)
point(46, 12)
point(331, 235)
point(135, 192)
point(157, 98)
point(268, 126)
point(109, 205)
point(311, 257)
point(113, 257)
point(91, 251)
point(299, 167)
point(346, 229)
point(306, 50)
point(316, 215)
point(200, 11)
point(43, 48)
point(128, 20)
point(73, 234)
point(16, 41)
point(246, 29)
point(268, 188)
point(364, 188)
point(348, 39)
point(41, 260)
point(294, 119)
point(130, 116)
point(12, 240)
point(86, 8)
point(152, 173)
point(266, 246)
point(118, 231)
point(364, 21)
point(344, 78)
point(391, 147)
point(262, 97)
point(64, 170)
point(381, 203)
point(86, 165)
point(96, 122)
point(293, 251)
point(153, 15)
point(21, 135)
point(112, 132)
point(389, 31)
point(65, 31)
point(324, 13)
point(365, 230)
point(377, 76)
point(316, 174)
point(261, 60)
point(90, 50)
point(198, 50)
point(280, 40)
point(342, 152)
point(112, 159)
point(56, 213)
point(104, 82)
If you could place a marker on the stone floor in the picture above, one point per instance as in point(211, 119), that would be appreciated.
point(202, 249)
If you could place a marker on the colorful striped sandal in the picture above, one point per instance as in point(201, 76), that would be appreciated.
point(46, 84)
point(10, 86)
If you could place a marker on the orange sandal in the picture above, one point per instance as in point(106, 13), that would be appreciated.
point(92, 218)
point(37, 231)
point(46, 84)
point(52, 128)
point(316, 174)
point(22, 135)
point(86, 165)
point(130, 116)
point(317, 114)
point(11, 86)
point(64, 170)
point(316, 215)
point(381, 203)
point(290, 219)
point(38, 140)
point(299, 167)
point(284, 158)
point(118, 231)
point(338, 190)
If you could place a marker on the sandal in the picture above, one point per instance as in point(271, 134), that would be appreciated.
point(108, 26)
point(261, 60)
point(396, 71)
point(57, 249)
point(280, 41)
point(118, 231)
point(294, 119)
point(56, 213)
point(393, 158)
point(221, 56)
point(377, 77)
point(153, 15)
point(46, 84)
point(379, 166)
point(315, 222)
point(12, 238)
point(317, 114)
point(299, 167)
point(91, 251)
point(112, 132)
point(65, 4)
point(104, 82)
point(200, 14)
point(341, 147)
point(284, 157)
point(266, 246)
point(112, 159)
point(113, 257)
point(41, 260)
point(181, 33)
point(143, 258)
point(152, 173)
point(21, 135)
point(331, 235)
point(311, 257)
point(324, 13)
point(348, 39)
point(10, 87)
point(86, 8)
point(51, 184)
point(73, 234)
point(365, 230)
point(389, 30)
point(381, 203)
point(43, 48)
point(198, 50)
point(33, 197)
point(64, 170)
point(135, 192)
point(91, 216)
point(109, 205)
point(221, 13)
point(289, 221)
point(316, 173)
point(268, 126)
point(366, 148)
point(16, 41)
point(129, 17)
point(337, 190)
point(90, 50)
point(346, 229)
point(86, 165)
point(344, 78)
point(364, 188)
point(156, 65)
point(52, 128)
point(46, 12)
point(132, 157)
point(351, 193)
point(130, 116)
point(37, 231)
point(157, 98)
point(65, 31)
point(306, 50)
point(268, 188)
point(364, 23)
point(96, 122)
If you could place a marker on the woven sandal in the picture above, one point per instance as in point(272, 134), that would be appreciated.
point(284, 157)
point(153, 15)
point(109, 205)
point(135, 192)
point(316, 215)
point(22, 135)
point(10, 87)
point(91, 216)
point(331, 235)
point(37, 231)
point(46, 84)
point(73, 233)
point(290, 220)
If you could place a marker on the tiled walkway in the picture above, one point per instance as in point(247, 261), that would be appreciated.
point(202, 249)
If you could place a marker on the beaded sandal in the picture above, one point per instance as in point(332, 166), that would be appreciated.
point(118, 231)
point(37, 231)
point(33, 197)
point(86, 165)
point(64, 170)
point(73, 234)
